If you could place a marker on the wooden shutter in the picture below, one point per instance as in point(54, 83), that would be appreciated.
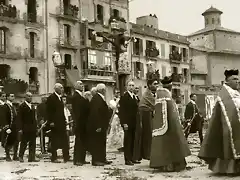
point(163, 50)
point(134, 48)
point(140, 46)
point(142, 70)
point(135, 69)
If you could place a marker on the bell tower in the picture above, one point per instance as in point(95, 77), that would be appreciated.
point(212, 17)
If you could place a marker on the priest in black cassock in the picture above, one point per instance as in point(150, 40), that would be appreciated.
point(57, 122)
point(97, 126)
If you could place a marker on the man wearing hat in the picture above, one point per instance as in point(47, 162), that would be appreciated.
point(169, 146)
point(221, 145)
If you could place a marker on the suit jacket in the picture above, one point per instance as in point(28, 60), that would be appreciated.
point(26, 118)
point(99, 115)
point(55, 113)
point(128, 110)
point(80, 109)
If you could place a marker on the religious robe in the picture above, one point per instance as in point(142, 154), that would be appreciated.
point(221, 145)
point(169, 146)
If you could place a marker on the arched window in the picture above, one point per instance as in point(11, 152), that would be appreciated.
point(68, 61)
point(32, 42)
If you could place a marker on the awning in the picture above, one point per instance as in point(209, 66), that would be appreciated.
point(72, 76)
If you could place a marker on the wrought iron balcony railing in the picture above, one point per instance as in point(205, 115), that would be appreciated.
point(152, 52)
point(8, 11)
point(98, 72)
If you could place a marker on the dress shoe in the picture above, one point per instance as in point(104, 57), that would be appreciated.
point(98, 164)
point(86, 162)
point(56, 161)
point(78, 164)
point(21, 160)
point(129, 163)
point(33, 160)
point(15, 158)
point(136, 162)
point(107, 162)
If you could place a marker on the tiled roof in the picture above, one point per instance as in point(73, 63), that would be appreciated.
point(148, 31)
point(211, 28)
point(212, 10)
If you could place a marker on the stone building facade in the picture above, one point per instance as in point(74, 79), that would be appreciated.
point(155, 49)
point(22, 38)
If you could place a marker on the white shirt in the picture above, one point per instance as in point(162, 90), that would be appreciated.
point(102, 96)
point(79, 92)
point(1, 102)
point(59, 96)
point(9, 102)
point(131, 94)
point(29, 104)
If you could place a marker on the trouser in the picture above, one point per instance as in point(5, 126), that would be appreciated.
point(98, 146)
point(42, 141)
point(28, 139)
point(80, 148)
point(15, 150)
point(129, 136)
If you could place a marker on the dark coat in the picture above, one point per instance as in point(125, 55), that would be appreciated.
point(55, 114)
point(41, 111)
point(192, 111)
point(26, 119)
point(99, 115)
point(80, 109)
point(128, 110)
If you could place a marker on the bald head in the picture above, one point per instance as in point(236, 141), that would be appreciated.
point(28, 97)
point(79, 86)
point(93, 91)
point(101, 88)
point(58, 88)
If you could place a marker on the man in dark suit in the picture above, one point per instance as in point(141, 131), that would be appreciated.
point(27, 128)
point(97, 127)
point(80, 109)
point(10, 139)
point(193, 119)
point(128, 115)
point(57, 122)
point(2, 102)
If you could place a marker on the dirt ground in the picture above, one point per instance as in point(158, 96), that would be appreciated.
point(196, 169)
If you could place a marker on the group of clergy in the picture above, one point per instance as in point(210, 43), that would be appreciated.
point(151, 125)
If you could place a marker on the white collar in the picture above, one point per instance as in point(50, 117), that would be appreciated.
point(102, 96)
point(131, 94)
point(193, 102)
point(79, 92)
point(233, 93)
point(2, 102)
point(28, 104)
point(59, 96)
point(9, 102)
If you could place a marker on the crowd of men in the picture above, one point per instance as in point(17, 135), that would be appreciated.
point(151, 125)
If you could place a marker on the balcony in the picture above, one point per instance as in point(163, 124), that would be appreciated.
point(121, 22)
point(68, 13)
point(32, 19)
point(68, 43)
point(152, 52)
point(8, 13)
point(175, 57)
point(97, 74)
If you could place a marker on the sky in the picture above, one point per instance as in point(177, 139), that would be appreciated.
point(184, 16)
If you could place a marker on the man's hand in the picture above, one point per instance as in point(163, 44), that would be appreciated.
point(125, 127)
point(20, 135)
point(51, 124)
point(42, 122)
point(98, 130)
point(8, 131)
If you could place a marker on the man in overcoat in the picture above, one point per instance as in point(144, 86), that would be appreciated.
point(57, 122)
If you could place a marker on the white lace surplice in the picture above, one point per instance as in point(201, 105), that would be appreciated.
point(234, 94)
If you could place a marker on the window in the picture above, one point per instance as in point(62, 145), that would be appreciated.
point(213, 20)
point(206, 21)
point(3, 2)
point(163, 71)
point(66, 4)
point(68, 61)
point(175, 70)
point(32, 11)
point(163, 50)
point(32, 44)
point(92, 59)
point(67, 33)
point(2, 41)
point(100, 13)
point(138, 47)
point(219, 22)
point(115, 13)
point(107, 61)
